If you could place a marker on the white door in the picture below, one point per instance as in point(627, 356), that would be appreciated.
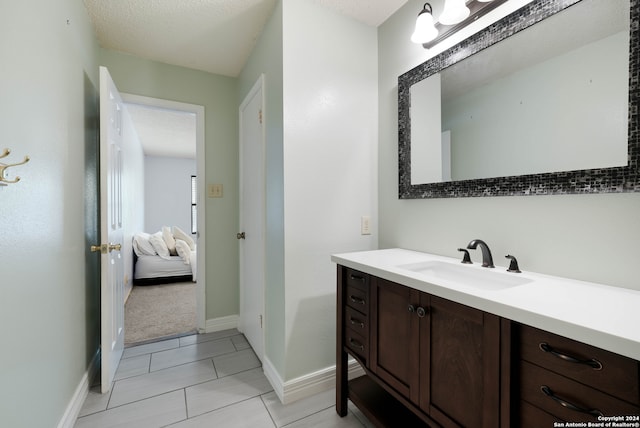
point(252, 218)
point(111, 265)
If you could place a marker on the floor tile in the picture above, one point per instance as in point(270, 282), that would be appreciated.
point(95, 402)
point(327, 419)
point(153, 412)
point(190, 353)
point(249, 413)
point(225, 391)
point(240, 342)
point(150, 347)
point(236, 362)
point(286, 414)
point(133, 366)
point(207, 337)
point(156, 383)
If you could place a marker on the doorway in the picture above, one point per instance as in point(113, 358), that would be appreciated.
point(148, 105)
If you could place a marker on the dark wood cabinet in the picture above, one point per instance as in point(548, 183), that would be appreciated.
point(432, 362)
point(395, 337)
point(569, 381)
point(439, 358)
point(460, 364)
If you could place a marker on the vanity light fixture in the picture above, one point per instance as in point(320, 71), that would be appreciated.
point(425, 30)
point(456, 15)
point(455, 11)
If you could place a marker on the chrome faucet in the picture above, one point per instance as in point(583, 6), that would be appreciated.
point(487, 258)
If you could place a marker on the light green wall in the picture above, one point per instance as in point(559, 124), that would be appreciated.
point(267, 58)
point(48, 313)
point(218, 95)
point(588, 237)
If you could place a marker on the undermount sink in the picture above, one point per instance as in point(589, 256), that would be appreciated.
point(466, 275)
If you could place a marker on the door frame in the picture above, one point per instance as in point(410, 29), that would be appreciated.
point(198, 110)
point(258, 85)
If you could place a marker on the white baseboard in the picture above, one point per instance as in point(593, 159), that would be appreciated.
point(273, 377)
point(222, 323)
point(307, 385)
point(75, 405)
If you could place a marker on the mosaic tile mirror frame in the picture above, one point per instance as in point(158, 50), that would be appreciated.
point(600, 180)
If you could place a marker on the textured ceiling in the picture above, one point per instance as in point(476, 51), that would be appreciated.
point(210, 35)
point(164, 132)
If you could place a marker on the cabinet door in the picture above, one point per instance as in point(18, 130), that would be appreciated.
point(460, 369)
point(394, 336)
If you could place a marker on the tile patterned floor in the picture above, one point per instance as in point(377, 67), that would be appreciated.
point(208, 380)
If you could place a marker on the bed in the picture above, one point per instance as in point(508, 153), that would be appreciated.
point(164, 257)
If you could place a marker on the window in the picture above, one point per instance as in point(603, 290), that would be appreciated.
point(194, 204)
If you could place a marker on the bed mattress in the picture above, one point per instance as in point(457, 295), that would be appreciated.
point(156, 267)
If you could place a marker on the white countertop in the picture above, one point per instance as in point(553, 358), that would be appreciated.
point(600, 315)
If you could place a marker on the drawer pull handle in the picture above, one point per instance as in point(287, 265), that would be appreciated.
point(547, 391)
point(593, 363)
point(356, 344)
point(357, 300)
point(421, 312)
point(356, 322)
point(356, 277)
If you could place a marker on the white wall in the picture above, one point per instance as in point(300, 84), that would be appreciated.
point(167, 199)
point(589, 237)
point(330, 178)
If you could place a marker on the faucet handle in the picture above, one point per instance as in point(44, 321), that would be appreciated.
point(513, 265)
point(466, 259)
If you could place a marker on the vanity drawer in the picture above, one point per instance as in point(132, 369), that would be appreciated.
point(356, 321)
point(612, 373)
point(357, 290)
point(357, 343)
point(533, 417)
point(356, 278)
point(563, 393)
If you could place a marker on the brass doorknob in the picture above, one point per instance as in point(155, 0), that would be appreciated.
point(96, 248)
point(104, 248)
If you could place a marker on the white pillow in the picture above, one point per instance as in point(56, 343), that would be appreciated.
point(183, 250)
point(142, 246)
point(160, 246)
point(180, 234)
point(168, 239)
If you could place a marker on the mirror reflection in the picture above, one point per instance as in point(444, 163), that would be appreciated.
point(551, 98)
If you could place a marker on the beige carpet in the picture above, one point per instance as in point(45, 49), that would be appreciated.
point(159, 311)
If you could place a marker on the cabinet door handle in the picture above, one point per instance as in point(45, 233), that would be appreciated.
point(411, 308)
point(357, 300)
point(421, 312)
point(356, 344)
point(357, 277)
point(593, 363)
point(564, 403)
point(356, 322)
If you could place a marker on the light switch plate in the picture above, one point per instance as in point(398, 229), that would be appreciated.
point(365, 225)
point(215, 190)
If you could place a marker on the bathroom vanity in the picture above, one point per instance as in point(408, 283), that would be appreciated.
point(446, 344)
